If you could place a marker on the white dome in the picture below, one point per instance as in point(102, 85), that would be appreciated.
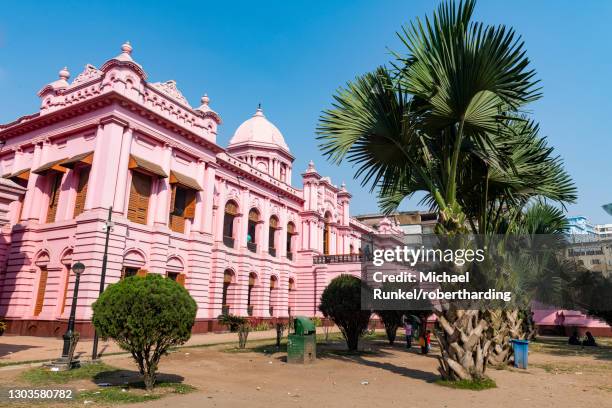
point(259, 131)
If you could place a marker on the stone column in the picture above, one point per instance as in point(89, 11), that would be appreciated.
point(266, 211)
point(104, 169)
point(209, 195)
point(122, 172)
point(30, 210)
point(282, 239)
point(163, 189)
point(218, 234)
point(244, 219)
point(198, 220)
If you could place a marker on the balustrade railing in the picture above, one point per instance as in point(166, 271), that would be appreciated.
point(343, 258)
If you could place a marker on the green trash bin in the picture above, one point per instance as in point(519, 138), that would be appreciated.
point(302, 345)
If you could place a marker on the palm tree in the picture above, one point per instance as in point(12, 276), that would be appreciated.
point(447, 119)
point(533, 269)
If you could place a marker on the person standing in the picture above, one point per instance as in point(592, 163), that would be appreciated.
point(408, 330)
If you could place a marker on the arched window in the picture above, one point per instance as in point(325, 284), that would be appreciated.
point(228, 275)
point(273, 290)
point(252, 281)
point(326, 234)
point(231, 211)
point(290, 234)
point(272, 233)
point(252, 230)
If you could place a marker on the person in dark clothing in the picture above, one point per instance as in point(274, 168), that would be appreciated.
point(589, 340)
point(574, 339)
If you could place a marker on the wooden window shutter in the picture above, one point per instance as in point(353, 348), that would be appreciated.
point(181, 279)
point(177, 222)
point(42, 288)
point(140, 190)
point(172, 198)
point(141, 273)
point(79, 204)
point(190, 204)
point(54, 192)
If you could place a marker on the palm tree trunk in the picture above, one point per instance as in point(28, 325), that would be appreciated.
point(464, 344)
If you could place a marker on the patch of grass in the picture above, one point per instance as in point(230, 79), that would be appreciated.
point(43, 375)
point(558, 346)
point(177, 388)
point(475, 385)
point(116, 395)
point(14, 363)
point(569, 368)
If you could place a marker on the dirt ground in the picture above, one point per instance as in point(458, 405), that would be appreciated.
point(382, 376)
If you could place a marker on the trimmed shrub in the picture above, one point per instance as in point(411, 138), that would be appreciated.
point(341, 302)
point(145, 316)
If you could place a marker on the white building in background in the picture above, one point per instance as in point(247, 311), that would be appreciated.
point(604, 230)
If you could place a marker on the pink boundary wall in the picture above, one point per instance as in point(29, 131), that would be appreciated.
point(114, 113)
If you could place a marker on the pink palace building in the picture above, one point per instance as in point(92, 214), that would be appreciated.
point(226, 223)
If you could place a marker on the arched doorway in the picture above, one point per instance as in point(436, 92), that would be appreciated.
point(231, 211)
point(291, 306)
point(273, 294)
point(251, 294)
point(326, 233)
point(252, 236)
point(227, 292)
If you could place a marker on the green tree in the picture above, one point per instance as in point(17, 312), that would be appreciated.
point(145, 316)
point(341, 302)
point(447, 120)
point(392, 320)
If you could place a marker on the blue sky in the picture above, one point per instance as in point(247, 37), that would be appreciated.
point(292, 55)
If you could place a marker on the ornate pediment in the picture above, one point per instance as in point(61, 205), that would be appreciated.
point(170, 89)
point(89, 73)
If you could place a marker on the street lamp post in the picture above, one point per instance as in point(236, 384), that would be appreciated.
point(78, 269)
point(65, 362)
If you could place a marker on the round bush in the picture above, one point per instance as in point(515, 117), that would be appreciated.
point(145, 316)
point(341, 302)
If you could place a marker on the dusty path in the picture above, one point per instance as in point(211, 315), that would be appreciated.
point(394, 376)
point(29, 348)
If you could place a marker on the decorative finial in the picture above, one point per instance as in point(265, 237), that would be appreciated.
point(64, 74)
point(205, 100)
point(311, 167)
point(126, 47)
point(259, 111)
point(343, 186)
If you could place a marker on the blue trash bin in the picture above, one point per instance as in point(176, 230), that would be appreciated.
point(521, 350)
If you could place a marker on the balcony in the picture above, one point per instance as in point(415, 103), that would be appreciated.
point(332, 259)
point(272, 251)
point(252, 246)
point(228, 241)
point(290, 256)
